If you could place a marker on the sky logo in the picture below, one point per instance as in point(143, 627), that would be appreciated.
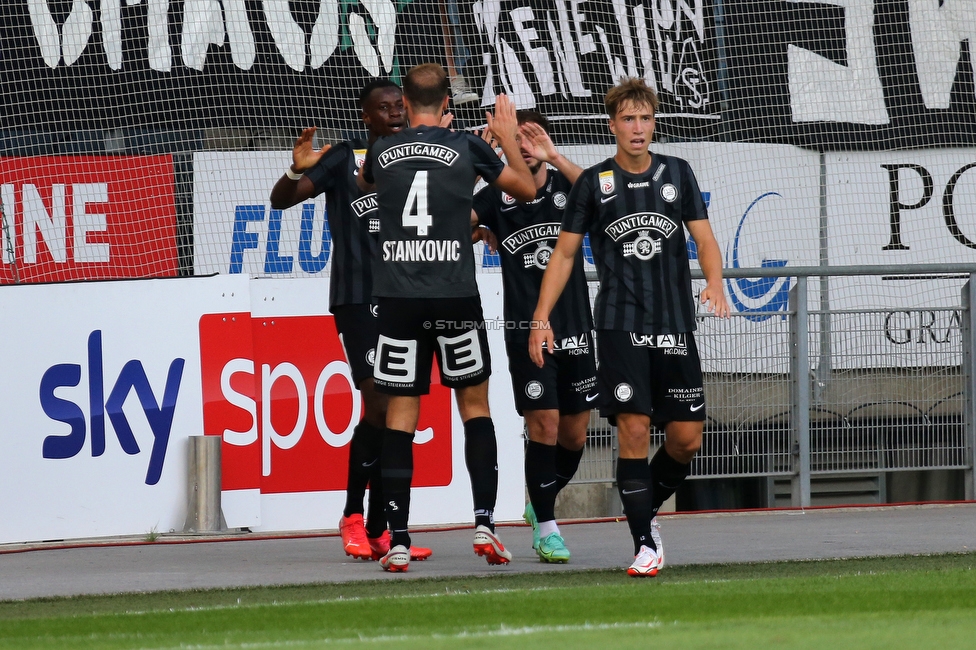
point(131, 377)
point(758, 299)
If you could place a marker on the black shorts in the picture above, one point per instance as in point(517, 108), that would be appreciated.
point(358, 327)
point(659, 376)
point(412, 330)
point(567, 382)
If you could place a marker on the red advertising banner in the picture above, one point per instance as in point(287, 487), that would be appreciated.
point(282, 397)
point(87, 217)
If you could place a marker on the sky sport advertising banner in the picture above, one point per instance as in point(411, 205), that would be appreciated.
point(105, 381)
point(876, 73)
point(87, 217)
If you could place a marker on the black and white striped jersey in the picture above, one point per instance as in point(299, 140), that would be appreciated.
point(352, 219)
point(425, 179)
point(527, 233)
point(636, 226)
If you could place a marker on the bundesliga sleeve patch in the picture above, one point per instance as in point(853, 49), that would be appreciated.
point(360, 155)
point(607, 185)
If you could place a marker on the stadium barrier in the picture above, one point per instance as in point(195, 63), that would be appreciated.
point(818, 393)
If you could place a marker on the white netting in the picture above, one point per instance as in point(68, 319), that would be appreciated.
point(838, 132)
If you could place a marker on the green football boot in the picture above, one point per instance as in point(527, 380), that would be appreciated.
point(553, 549)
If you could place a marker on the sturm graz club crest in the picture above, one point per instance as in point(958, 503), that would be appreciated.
point(539, 258)
point(669, 192)
point(644, 247)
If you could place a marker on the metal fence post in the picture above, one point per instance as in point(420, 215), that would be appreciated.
point(969, 381)
point(203, 514)
point(800, 389)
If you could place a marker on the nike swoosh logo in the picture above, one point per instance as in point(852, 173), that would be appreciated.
point(607, 198)
point(633, 491)
point(509, 209)
point(590, 398)
point(545, 485)
point(370, 463)
point(696, 408)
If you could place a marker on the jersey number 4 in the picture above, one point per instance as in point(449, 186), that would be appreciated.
point(415, 207)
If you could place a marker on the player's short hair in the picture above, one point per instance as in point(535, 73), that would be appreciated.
point(630, 89)
point(426, 86)
point(375, 84)
point(535, 117)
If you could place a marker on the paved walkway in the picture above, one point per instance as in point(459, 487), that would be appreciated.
point(247, 560)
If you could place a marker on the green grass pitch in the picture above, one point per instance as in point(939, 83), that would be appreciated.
point(884, 603)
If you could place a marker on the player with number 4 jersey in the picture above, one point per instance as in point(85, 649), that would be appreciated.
point(425, 285)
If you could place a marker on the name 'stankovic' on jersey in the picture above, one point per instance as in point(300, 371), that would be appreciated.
point(424, 250)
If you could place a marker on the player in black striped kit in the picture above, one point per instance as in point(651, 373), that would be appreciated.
point(555, 400)
point(427, 293)
point(354, 225)
point(636, 206)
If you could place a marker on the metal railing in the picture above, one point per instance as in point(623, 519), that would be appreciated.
point(803, 396)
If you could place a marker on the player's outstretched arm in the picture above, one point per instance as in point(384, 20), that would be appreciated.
point(710, 258)
point(515, 179)
point(288, 191)
point(537, 142)
point(554, 280)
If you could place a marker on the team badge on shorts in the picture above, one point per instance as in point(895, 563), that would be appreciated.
point(607, 185)
point(669, 192)
point(371, 356)
point(559, 200)
point(534, 390)
point(623, 392)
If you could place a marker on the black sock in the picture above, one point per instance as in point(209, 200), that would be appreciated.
point(481, 457)
point(540, 479)
point(396, 464)
point(668, 475)
point(567, 462)
point(363, 456)
point(376, 510)
point(635, 487)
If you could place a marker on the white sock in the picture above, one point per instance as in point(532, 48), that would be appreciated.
point(546, 528)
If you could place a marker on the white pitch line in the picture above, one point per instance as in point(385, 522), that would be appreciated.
point(502, 631)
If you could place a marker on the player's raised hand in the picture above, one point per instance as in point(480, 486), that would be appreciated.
point(446, 120)
point(536, 142)
point(304, 155)
point(504, 123)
